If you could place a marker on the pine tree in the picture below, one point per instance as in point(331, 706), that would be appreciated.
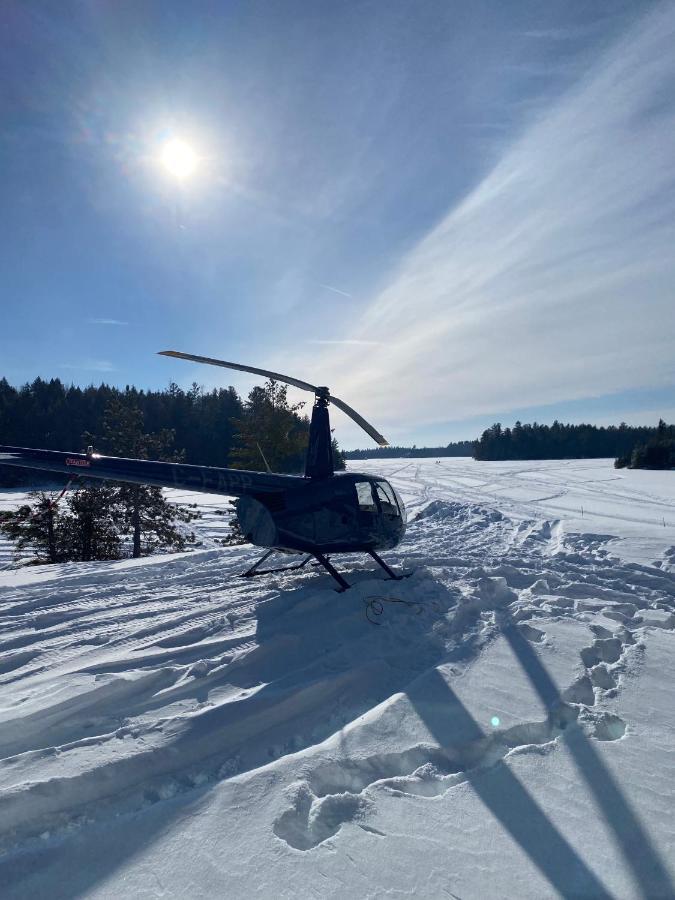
point(236, 535)
point(35, 527)
point(81, 527)
point(339, 462)
point(270, 431)
point(90, 528)
point(146, 514)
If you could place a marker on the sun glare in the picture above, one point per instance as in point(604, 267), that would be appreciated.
point(179, 159)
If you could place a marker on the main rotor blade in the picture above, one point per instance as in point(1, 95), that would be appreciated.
point(303, 385)
point(367, 427)
point(296, 382)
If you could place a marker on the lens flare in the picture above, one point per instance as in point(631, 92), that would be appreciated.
point(494, 721)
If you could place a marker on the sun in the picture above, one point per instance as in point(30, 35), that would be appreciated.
point(178, 158)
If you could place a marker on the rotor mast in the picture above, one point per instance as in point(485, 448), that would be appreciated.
point(319, 462)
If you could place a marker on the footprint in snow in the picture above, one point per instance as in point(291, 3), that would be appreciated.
point(312, 820)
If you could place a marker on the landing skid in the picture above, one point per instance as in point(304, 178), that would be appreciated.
point(321, 560)
point(255, 570)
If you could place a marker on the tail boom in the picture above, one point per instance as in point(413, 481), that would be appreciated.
point(208, 479)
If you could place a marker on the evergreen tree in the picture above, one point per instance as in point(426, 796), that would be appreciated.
point(338, 456)
point(90, 528)
point(146, 514)
point(236, 535)
point(656, 453)
point(35, 527)
point(270, 431)
point(83, 527)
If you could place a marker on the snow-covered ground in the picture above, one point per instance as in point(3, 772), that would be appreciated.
point(500, 724)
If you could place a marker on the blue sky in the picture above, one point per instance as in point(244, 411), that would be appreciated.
point(451, 213)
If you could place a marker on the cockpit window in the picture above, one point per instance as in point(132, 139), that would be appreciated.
point(364, 495)
point(401, 505)
point(385, 492)
point(386, 498)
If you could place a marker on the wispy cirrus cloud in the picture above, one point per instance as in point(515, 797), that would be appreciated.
point(353, 342)
point(90, 365)
point(329, 287)
point(106, 322)
point(553, 279)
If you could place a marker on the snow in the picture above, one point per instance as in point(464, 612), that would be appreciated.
point(499, 724)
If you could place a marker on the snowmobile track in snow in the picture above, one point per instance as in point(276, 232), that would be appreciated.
point(124, 689)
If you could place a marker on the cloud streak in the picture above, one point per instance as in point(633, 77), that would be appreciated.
point(90, 365)
point(553, 279)
point(353, 342)
point(335, 290)
point(106, 322)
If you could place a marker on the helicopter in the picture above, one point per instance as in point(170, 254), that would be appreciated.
point(317, 514)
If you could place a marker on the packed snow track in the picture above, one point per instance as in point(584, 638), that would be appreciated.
point(499, 724)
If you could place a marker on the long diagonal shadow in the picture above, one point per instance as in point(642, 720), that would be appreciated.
point(503, 794)
point(649, 872)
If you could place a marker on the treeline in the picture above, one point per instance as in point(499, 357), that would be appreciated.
point(219, 428)
point(658, 452)
point(559, 441)
point(459, 448)
point(211, 428)
point(54, 416)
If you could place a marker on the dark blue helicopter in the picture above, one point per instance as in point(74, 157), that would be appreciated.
point(316, 514)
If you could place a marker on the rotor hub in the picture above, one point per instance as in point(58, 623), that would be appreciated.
point(322, 395)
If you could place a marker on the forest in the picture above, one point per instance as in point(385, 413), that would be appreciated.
point(210, 428)
point(560, 441)
point(459, 448)
point(657, 452)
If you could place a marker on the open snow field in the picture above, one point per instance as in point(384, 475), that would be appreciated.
point(504, 727)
